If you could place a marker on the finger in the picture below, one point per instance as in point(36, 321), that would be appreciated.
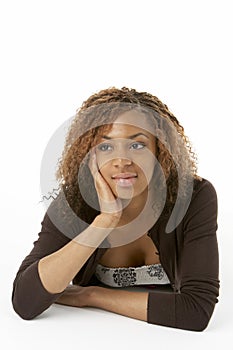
point(98, 179)
point(93, 163)
point(102, 188)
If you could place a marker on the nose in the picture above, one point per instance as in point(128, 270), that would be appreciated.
point(121, 162)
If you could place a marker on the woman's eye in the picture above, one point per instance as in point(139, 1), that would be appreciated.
point(138, 145)
point(104, 147)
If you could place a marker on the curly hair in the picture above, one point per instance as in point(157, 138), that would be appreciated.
point(97, 113)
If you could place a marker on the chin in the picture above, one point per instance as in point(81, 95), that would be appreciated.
point(129, 193)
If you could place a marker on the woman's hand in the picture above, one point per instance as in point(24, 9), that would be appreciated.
point(109, 204)
point(75, 296)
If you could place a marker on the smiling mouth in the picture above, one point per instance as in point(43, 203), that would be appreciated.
point(124, 176)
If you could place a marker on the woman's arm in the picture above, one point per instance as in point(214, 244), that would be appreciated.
point(123, 302)
point(58, 269)
point(192, 306)
point(52, 264)
point(126, 303)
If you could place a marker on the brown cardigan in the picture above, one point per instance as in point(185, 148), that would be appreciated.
point(189, 256)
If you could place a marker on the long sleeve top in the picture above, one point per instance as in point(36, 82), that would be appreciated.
point(188, 254)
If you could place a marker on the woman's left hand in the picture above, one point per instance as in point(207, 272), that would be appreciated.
point(75, 295)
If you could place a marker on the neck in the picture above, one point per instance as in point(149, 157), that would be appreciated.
point(133, 207)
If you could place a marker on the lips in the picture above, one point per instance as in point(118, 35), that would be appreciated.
point(125, 179)
point(124, 176)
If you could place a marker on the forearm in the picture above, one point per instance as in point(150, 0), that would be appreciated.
point(59, 268)
point(126, 303)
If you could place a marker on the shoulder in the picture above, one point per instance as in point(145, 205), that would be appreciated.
point(203, 207)
point(204, 192)
point(203, 185)
point(199, 201)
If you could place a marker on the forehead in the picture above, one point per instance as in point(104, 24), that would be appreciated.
point(130, 123)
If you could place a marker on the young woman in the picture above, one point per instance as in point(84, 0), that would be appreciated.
point(131, 212)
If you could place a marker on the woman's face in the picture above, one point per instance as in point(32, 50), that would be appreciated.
point(126, 155)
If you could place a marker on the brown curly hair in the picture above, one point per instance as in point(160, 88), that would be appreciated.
point(97, 113)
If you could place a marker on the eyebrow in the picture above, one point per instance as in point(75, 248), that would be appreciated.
point(130, 137)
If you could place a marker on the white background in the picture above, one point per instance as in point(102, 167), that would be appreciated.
point(55, 54)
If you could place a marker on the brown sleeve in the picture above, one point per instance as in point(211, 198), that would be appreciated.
point(29, 297)
point(191, 308)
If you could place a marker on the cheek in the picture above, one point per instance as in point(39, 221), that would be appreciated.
point(102, 160)
point(103, 169)
point(145, 163)
point(145, 174)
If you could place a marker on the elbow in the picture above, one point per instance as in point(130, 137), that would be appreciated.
point(28, 307)
point(200, 326)
point(26, 316)
point(29, 300)
point(195, 323)
point(194, 311)
point(195, 320)
point(25, 308)
point(23, 312)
